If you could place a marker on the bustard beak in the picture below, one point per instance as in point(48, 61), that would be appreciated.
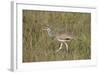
point(45, 28)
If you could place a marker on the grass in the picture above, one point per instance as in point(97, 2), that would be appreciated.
point(38, 46)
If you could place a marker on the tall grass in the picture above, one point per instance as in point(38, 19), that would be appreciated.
point(38, 46)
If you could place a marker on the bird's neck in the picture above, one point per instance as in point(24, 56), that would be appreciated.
point(50, 33)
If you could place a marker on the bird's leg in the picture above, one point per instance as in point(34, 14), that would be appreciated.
point(66, 45)
point(60, 47)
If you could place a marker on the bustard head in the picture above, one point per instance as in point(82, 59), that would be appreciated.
point(50, 32)
point(47, 29)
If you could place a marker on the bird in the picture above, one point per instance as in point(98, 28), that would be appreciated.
point(63, 38)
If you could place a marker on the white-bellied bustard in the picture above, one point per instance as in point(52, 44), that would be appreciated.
point(63, 38)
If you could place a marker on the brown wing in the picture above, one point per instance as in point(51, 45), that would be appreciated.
point(64, 37)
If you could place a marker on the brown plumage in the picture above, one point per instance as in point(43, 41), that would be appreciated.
point(63, 38)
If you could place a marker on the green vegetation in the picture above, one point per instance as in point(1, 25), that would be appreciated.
point(38, 46)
